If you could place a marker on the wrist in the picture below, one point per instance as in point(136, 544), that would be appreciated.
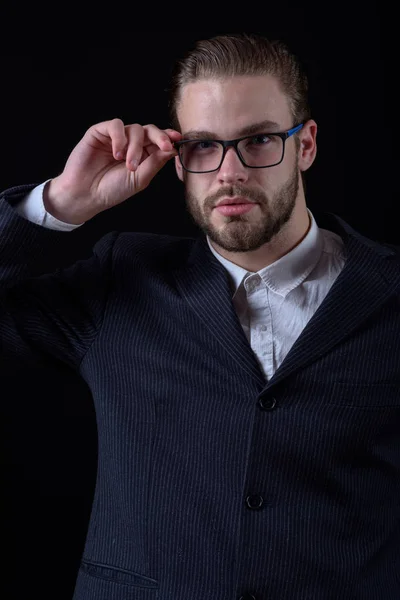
point(58, 202)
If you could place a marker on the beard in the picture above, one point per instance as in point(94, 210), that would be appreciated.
point(249, 231)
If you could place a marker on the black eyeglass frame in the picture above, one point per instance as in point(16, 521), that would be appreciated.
point(227, 143)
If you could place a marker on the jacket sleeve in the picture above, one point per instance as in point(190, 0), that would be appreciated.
point(29, 250)
point(58, 314)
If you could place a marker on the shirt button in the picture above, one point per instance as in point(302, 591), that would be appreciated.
point(254, 501)
point(267, 403)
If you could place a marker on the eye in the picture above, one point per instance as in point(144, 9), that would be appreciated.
point(203, 145)
point(259, 139)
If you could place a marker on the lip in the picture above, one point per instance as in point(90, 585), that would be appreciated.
point(232, 210)
point(236, 200)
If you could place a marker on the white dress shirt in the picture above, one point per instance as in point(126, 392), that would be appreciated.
point(273, 304)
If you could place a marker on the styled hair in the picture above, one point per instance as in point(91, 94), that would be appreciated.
point(237, 55)
point(242, 54)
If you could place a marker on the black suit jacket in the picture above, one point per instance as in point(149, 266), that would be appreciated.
point(211, 481)
point(48, 437)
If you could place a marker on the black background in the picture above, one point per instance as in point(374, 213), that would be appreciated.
point(51, 93)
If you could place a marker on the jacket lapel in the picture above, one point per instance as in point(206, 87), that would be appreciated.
point(370, 276)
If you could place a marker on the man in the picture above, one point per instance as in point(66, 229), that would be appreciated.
point(246, 382)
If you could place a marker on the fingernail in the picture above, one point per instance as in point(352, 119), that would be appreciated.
point(134, 164)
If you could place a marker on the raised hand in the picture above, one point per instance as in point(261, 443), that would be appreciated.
point(111, 163)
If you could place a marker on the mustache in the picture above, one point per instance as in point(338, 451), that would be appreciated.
point(238, 190)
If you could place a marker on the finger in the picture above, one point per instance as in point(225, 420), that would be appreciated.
point(153, 148)
point(111, 131)
point(147, 150)
point(150, 167)
point(135, 135)
point(173, 135)
point(119, 139)
point(159, 137)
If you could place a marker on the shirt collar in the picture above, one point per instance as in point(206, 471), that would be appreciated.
point(287, 272)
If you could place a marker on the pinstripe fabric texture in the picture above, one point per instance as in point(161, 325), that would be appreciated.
point(212, 482)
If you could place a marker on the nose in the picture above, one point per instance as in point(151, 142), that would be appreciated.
point(232, 169)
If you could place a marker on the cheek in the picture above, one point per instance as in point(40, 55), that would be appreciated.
point(198, 185)
point(265, 179)
point(274, 177)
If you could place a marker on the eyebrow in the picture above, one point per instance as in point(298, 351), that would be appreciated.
point(266, 126)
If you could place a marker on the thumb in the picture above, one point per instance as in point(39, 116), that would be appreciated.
point(149, 168)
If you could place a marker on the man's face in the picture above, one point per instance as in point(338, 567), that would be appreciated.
point(226, 109)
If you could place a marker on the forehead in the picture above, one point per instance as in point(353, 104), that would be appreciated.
point(225, 106)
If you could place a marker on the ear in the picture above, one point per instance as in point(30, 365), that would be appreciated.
point(178, 168)
point(308, 146)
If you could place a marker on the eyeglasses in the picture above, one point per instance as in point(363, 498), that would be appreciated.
point(254, 151)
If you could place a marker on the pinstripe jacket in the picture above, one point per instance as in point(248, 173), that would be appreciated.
point(212, 483)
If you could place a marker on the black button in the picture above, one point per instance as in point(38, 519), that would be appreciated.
point(247, 597)
point(254, 501)
point(267, 403)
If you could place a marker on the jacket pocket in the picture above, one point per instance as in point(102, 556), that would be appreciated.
point(101, 582)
